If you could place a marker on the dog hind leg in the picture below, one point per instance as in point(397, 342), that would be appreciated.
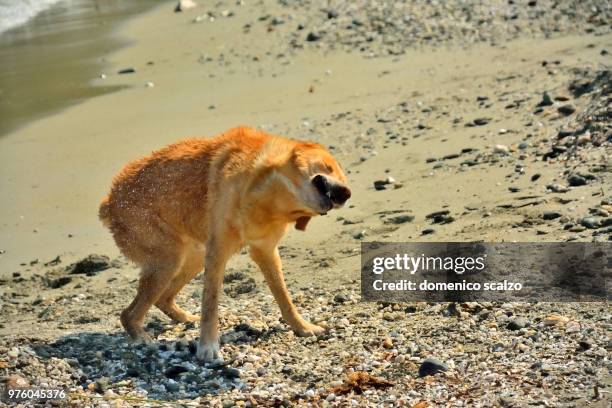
point(154, 280)
point(192, 265)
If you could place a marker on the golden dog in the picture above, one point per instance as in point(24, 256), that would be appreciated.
point(195, 203)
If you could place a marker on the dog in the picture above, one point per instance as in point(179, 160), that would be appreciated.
point(193, 204)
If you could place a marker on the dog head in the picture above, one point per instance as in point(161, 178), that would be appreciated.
point(320, 181)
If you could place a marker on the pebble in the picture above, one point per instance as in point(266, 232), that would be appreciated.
point(341, 298)
point(584, 345)
point(557, 188)
point(401, 219)
point(517, 323)
point(575, 180)
point(360, 235)
point(566, 109)
point(311, 37)
point(232, 372)
point(382, 184)
point(481, 121)
point(590, 222)
point(126, 71)
point(551, 215)
point(175, 370)
point(583, 140)
point(184, 5)
point(501, 149)
point(431, 366)
point(387, 343)
point(101, 384)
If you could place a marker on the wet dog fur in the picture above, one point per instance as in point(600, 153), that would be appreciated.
point(191, 205)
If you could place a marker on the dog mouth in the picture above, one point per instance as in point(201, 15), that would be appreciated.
point(326, 204)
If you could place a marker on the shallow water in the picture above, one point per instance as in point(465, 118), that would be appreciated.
point(48, 63)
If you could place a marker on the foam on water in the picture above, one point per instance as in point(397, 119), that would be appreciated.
point(16, 12)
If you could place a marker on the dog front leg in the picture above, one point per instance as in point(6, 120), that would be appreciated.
point(214, 266)
point(270, 264)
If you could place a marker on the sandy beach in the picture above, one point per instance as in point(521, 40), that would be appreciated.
point(458, 123)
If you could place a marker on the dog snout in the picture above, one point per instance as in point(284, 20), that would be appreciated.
point(322, 185)
point(337, 192)
point(340, 194)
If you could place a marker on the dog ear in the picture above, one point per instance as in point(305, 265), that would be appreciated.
point(300, 223)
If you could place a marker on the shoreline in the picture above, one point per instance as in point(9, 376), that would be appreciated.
point(71, 41)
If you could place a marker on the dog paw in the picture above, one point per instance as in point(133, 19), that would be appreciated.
point(186, 318)
point(208, 352)
point(141, 337)
point(192, 318)
point(309, 329)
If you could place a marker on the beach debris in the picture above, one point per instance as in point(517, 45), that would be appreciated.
point(546, 100)
point(15, 381)
point(184, 5)
point(382, 184)
point(440, 217)
point(149, 84)
point(58, 282)
point(55, 261)
point(91, 265)
point(360, 381)
point(555, 320)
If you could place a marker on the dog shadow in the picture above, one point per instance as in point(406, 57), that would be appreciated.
point(166, 369)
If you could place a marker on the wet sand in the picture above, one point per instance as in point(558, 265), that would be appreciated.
point(49, 63)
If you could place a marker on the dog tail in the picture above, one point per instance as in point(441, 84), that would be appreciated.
point(104, 213)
